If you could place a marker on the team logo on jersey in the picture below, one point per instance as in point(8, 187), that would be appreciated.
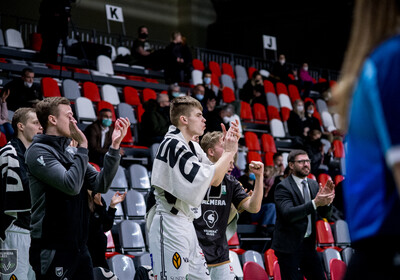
point(210, 217)
point(59, 271)
point(176, 260)
point(223, 189)
point(41, 160)
point(8, 261)
point(13, 277)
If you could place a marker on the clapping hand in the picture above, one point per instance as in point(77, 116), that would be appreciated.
point(120, 130)
point(117, 198)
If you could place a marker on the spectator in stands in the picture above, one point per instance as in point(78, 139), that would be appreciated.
point(315, 150)
point(199, 94)
point(163, 106)
point(296, 123)
point(15, 201)
point(142, 52)
point(101, 220)
point(99, 138)
point(211, 105)
point(210, 90)
point(174, 90)
point(252, 89)
point(58, 184)
point(310, 121)
point(231, 116)
point(53, 26)
point(211, 225)
point(5, 125)
point(368, 99)
point(215, 118)
point(154, 125)
point(23, 92)
point(306, 81)
point(297, 200)
point(280, 70)
point(178, 60)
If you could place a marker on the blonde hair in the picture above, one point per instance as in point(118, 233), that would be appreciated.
point(182, 106)
point(374, 21)
point(295, 104)
point(210, 139)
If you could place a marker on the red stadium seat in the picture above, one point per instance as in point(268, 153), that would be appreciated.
point(337, 269)
point(332, 83)
point(91, 91)
point(250, 71)
point(269, 159)
point(277, 271)
point(312, 176)
point(252, 142)
point(323, 178)
point(268, 143)
point(309, 99)
point(273, 113)
point(110, 245)
point(293, 93)
point(3, 139)
point(285, 112)
point(214, 68)
point(106, 105)
point(269, 86)
point(131, 96)
point(246, 114)
point(50, 87)
point(338, 178)
point(253, 156)
point(253, 271)
point(36, 41)
point(281, 88)
point(318, 116)
point(215, 80)
point(95, 166)
point(148, 94)
point(197, 64)
point(260, 115)
point(234, 244)
point(56, 67)
point(140, 112)
point(325, 237)
point(270, 259)
point(228, 95)
point(338, 149)
point(228, 70)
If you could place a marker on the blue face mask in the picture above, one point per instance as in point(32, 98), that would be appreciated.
point(106, 122)
point(199, 97)
point(252, 176)
point(207, 80)
point(176, 94)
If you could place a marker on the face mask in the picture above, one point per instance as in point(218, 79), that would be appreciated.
point(106, 122)
point(252, 176)
point(310, 111)
point(143, 35)
point(199, 97)
point(207, 80)
point(305, 68)
point(28, 85)
point(300, 108)
point(282, 61)
point(176, 94)
point(226, 119)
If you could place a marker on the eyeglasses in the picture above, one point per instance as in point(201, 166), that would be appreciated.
point(304, 161)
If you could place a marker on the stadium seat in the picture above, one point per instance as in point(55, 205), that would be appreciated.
point(215, 82)
point(338, 148)
point(269, 159)
point(50, 87)
point(338, 178)
point(251, 141)
point(323, 178)
point(126, 111)
point(104, 65)
point(327, 121)
point(273, 113)
point(293, 93)
point(253, 271)
point(135, 205)
point(214, 68)
point(281, 88)
point(327, 256)
point(312, 176)
point(346, 254)
point(139, 177)
point(246, 114)
point(277, 129)
point(268, 143)
point(253, 256)
point(131, 237)
point(269, 86)
point(197, 64)
point(240, 72)
point(119, 182)
point(240, 81)
point(318, 116)
point(148, 94)
point(235, 264)
point(234, 244)
point(260, 115)
point(321, 106)
point(70, 89)
point(91, 90)
point(264, 73)
point(341, 233)
point(250, 71)
point(197, 77)
point(122, 266)
point(142, 260)
point(84, 110)
point(3, 139)
point(337, 269)
point(2, 42)
point(13, 39)
point(131, 96)
point(139, 113)
point(119, 213)
point(121, 50)
point(270, 259)
point(227, 81)
point(109, 93)
point(228, 70)
point(253, 156)
point(324, 235)
point(113, 51)
point(110, 251)
point(228, 95)
point(106, 105)
point(277, 271)
point(336, 120)
point(286, 106)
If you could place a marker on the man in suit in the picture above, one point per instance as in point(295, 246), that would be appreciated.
point(298, 199)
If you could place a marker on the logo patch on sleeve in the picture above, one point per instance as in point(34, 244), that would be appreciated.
point(176, 260)
point(41, 160)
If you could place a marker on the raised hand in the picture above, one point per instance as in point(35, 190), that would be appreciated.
point(120, 129)
point(256, 167)
point(117, 198)
point(328, 188)
point(77, 134)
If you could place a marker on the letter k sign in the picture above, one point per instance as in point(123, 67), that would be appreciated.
point(114, 13)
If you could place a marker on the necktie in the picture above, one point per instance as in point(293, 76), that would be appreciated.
point(307, 198)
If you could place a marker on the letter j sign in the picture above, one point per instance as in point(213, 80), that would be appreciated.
point(114, 13)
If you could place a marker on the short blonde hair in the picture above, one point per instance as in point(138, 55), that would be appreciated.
point(210, 139)
point(182, 106)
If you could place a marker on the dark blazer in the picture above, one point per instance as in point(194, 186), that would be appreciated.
point(291, 215)
point(93, 135)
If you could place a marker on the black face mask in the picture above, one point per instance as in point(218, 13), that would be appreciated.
point(143, 35)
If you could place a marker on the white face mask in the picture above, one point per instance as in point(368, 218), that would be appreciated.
point(282, 61)
point(310, 111)
point(305, 68)
point(300, 108)
point(28, 85)
point(226, 119)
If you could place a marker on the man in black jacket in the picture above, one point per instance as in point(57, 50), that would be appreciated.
point(298, 199)
point(58, 182)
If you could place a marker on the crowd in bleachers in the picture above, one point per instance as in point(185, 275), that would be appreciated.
point(278, 109)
